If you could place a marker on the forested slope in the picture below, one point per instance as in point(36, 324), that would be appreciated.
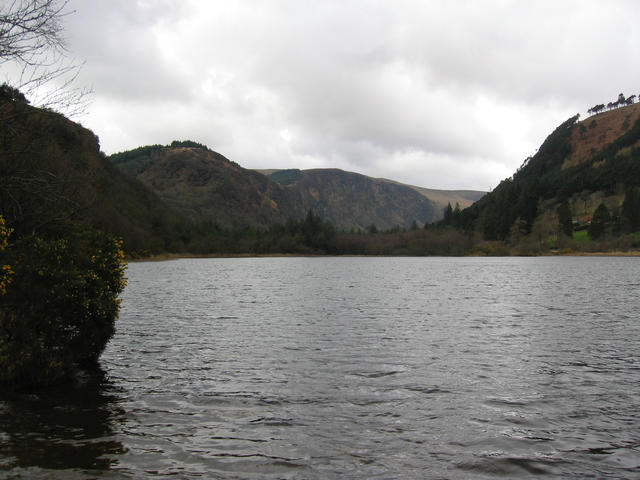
point(579, 168)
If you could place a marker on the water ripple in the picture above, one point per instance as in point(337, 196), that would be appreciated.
point(351, 368)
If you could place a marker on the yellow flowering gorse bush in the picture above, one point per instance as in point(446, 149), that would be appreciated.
point(61, 307)
point(5, 270)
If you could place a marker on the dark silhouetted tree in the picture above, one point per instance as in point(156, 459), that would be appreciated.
point(565, 219)
point(631, 210)
point(599, 222)
point(317, 234)
point(448, 214)
point(596, 109)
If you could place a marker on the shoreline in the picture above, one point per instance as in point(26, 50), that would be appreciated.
point(180, 256)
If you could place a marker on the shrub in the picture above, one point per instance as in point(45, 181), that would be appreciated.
point(6, 272)
point(61, 305)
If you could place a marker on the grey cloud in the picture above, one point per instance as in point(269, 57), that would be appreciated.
point(430, 91)
point(123, 56)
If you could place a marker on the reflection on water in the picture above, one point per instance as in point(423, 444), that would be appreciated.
point(351, 368)
point(67, 429)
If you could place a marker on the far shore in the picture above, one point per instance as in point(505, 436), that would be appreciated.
point(632, 253)
point(178, 256)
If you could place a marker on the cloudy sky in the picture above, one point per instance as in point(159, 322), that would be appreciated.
point(446, 94)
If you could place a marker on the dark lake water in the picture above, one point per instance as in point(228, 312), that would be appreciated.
point(328, 368)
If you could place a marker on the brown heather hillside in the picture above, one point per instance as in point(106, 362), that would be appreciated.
point(442, 198)
point(594, 133)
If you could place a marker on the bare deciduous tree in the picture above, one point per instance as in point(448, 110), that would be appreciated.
point(28, 29)
point(32, 42)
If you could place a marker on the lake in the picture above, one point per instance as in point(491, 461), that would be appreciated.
point(330, 368)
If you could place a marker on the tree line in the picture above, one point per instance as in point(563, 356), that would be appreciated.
point(622, 101)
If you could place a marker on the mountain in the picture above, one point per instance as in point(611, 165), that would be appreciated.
point(182, 197)
point(581, 167)
point(582, 185)
point(353, 201)
point(336, 191)
point(205, 186)
point(438, 198)
point(442, 198)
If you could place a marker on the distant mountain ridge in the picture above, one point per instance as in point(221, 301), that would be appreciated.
point(353, 201)
point(439, 198)
point(206, 186)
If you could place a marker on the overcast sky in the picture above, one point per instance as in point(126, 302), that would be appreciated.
point(445, 94)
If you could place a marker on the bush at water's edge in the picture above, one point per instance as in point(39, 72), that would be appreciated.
point(58, 304)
